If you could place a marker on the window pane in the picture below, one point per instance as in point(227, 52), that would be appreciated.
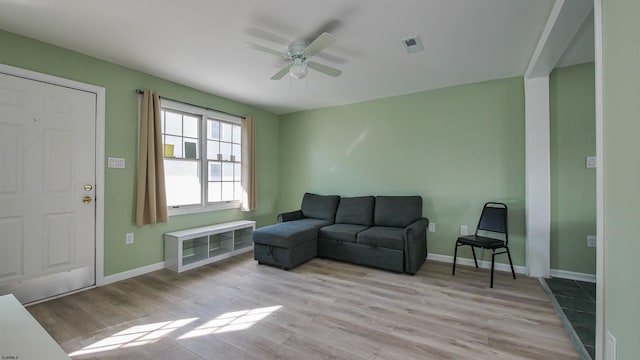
point(237, 172)
point(215, 192)
point(176, 141)
point(237, 152)
point(182, 180)
point(225, 131)
point(227, 191)
point(227, 171)
point(191, 148)
point(213, 130)
point(215, 171)
point(173, 123)
point(190, 126)
point(213, 148)
point(225, 150)
point(236, 134)
point(238, 190)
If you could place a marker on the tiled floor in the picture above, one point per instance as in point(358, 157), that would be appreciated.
point(577, 299)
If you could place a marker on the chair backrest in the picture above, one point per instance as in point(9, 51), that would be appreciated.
point(494, 219)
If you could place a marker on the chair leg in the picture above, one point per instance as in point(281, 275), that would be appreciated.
point(455, 255)
point(475, 260)
point(511, 263)
point(493, 258)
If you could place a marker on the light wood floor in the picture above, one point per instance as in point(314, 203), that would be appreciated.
point(321, 310)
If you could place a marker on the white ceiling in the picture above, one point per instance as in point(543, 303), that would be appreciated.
point(200, 43)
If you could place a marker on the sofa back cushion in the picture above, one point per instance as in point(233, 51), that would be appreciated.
point(355, 210)
point(397, 211)
point(321, 207)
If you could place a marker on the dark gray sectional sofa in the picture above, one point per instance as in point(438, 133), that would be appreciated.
point(386, 232)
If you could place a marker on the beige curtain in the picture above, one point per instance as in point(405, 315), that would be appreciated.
point(151, 205)
point(249, 183)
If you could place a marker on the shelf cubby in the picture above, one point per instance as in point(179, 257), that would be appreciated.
point(190, 248)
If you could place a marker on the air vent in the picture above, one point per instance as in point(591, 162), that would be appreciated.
point(413, 44)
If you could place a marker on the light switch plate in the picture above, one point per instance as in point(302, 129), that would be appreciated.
point(432, 227)
point(592, 162)
point(591, 241)
point(464, 230)
point(116, 163)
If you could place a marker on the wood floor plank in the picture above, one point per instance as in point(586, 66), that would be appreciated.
point(324, 309)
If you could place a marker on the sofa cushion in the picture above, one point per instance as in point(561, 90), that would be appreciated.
point(382, 236)
point(341, 232)
point(321, 207)
point(290, 233)
point(398, 211)
point(355, 210)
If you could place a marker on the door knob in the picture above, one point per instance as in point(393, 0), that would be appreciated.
point(88, 187)
point(86, 199)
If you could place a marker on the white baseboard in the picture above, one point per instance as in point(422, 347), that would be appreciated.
point(563, 274)
point(131, 273)
point(435, 257)
point(481, 263)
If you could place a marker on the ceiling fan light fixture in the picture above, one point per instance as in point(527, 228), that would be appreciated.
point(298, 69)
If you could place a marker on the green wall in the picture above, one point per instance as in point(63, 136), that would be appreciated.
point(121, 141)
point(573, 186)
point(621, 91)
point(458, 147)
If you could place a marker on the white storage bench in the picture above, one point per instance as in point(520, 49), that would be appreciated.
point(190, 248)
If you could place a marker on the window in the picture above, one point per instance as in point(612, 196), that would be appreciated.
point(203, 161)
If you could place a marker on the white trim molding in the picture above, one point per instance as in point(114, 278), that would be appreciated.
point(110, 279)
point(570, 275)
point(537, 176)
point(600, 223)
point(484, 264)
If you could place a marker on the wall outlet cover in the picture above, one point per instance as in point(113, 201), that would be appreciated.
point(129, 239)
point(116, 163)
point(432, 227)
point(591, 241)
point(464, 230)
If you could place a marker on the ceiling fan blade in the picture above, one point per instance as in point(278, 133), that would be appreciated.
point(266, 49)
point(280, 74)
point(324, 69)
point(325, 39)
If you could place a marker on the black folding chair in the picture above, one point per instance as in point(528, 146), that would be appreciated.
point(493, 222)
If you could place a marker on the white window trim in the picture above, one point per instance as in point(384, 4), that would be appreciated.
point(205, 113)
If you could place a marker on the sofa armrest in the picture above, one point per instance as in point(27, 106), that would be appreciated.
point(289, 216)
point(415, 245)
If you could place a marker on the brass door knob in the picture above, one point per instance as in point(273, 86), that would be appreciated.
point(88, 187)
point(87, 199)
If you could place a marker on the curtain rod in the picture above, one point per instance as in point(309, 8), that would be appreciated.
point(138, 91)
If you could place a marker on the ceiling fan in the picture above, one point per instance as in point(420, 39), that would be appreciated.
point(299, 54)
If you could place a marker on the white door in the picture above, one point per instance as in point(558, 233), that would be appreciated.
point(47, 177)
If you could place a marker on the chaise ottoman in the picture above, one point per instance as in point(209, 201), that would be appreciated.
point(294, 240)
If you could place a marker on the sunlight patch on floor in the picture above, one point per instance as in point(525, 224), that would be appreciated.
point(134, 336)
point(231, 321)
point(149, 333)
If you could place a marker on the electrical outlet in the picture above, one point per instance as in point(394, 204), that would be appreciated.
point(432, 227)
point(128, 240)
point(591, 241)
point(464, 230)
point(591, 162)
